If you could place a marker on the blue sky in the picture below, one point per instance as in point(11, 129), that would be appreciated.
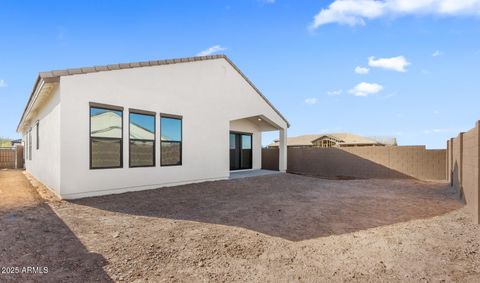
point(422, 84)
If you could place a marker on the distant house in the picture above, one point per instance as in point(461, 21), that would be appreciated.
point(16, 142)
point(336, 140)
point(144, 125)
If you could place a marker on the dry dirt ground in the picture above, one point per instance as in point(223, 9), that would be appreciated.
point(277, 228)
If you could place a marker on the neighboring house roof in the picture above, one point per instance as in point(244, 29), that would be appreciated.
point(385, 140)
point(305, 140)
point(348, 138)
point(341, 138)
point(54, 76)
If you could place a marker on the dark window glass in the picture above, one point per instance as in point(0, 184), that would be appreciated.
point(142, 140)
point(246, 151)
point(38, 135)
point(232, 141)
point(246, 142)
point(171, 141)
point(30, 144)
point(171, 153)
point(106, 143)
point(106, 153)
point(234, 152)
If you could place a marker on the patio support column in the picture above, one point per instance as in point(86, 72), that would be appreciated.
point(282, 156)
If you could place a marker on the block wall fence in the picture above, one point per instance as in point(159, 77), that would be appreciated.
point(463, 166)
point(399, 162)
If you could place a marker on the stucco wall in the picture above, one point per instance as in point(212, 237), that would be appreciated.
point(464, 168)
point(45, 163)
point(208, 94)
point(365, 162)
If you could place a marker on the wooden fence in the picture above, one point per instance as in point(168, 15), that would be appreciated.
point(11, 157)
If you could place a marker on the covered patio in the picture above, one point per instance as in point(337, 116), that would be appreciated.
point(246, 143)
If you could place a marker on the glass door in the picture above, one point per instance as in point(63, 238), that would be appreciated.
point(240, 151)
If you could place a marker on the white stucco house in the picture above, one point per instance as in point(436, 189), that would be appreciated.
point(127, 127)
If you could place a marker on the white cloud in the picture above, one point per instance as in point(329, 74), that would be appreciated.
point(365, 89)
point(334, 92)
point(311, 100)
point(361, 70)
point(394, 63)
point(437, 53)
point(211, 50)
point(3, 83)
point(355, 12)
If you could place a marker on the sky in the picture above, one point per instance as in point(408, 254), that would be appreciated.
point(402, 68)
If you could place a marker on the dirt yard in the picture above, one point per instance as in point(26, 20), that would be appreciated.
point(270, 228)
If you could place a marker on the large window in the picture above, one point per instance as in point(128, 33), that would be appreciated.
point(142, 138)
point(106, 132)
point(170, 140)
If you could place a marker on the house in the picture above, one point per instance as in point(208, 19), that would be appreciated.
point(16, 142)
point(336, 140)
point(126, 127)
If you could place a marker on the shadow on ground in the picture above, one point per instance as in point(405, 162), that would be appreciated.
point(32, 235)
point(289, 206)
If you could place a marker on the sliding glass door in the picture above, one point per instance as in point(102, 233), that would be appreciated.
point(240, 151)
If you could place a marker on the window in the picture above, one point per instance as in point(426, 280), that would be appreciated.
point(171, 140)
point(142, 138)
point(38, 135)
point(30, 144)
point(106, 132)
point(26, 146)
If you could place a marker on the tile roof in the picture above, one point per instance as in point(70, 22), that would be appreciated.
point(54, 76)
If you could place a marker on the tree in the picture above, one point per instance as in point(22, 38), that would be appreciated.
point(5, 142)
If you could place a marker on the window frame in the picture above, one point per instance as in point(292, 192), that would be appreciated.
point(37, 135)
point(104, 107)
point(30, 144)
point(171, 116)
point(147, 113)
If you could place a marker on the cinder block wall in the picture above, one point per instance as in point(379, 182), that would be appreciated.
point(457, 158)
point(364, 162)
point(464, 166)
point(270, 158)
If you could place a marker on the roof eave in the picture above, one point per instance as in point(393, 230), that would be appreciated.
point(39, 83)
point(54, 76)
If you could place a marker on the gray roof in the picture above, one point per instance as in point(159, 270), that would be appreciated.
point(54, 76)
